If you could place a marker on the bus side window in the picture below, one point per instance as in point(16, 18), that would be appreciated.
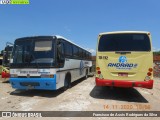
point(68, 50)
point(60, 54)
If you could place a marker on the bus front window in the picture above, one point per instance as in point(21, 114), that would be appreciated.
point(43, 52)
point(36, 53)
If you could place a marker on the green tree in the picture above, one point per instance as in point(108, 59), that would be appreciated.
point(156, 53)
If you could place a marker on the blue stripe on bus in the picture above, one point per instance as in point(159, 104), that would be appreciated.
point(44, 83)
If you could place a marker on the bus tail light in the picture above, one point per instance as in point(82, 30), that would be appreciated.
point(150, 69)
point(149, 73)
point(99, 72)
point(98, 68)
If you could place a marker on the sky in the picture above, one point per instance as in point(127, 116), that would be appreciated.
point(79, 20)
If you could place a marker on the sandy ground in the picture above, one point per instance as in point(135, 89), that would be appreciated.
point(82, 96)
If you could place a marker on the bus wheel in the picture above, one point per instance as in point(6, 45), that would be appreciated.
point(67, 82)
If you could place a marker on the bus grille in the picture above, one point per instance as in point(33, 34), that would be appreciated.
point(29, 84)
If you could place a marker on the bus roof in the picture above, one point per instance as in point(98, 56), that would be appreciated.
point(57, 36)
point(120, 32)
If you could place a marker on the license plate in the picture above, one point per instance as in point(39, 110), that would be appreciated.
point(123, 74)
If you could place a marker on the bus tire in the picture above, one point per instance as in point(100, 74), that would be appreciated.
point(67, 81)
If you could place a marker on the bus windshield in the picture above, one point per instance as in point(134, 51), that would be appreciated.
point(33, 53)
point(124, 42)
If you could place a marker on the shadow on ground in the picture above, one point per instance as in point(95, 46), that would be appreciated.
point(42, 93)
point(121, 94)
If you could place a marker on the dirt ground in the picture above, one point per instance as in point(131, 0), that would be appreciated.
point(82, 96)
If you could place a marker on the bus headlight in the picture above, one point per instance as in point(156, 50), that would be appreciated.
point(47, 76)
point(51, 76)
point(13, 75)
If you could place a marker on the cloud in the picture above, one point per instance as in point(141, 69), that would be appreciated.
point(156, 49)
point(92, 51)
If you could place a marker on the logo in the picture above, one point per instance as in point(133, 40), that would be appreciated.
point(122, 64)
point(21, 114)
point(14, 1)
point(123, 59)
point(81, 67)
point(6, 114)
point(5, 1)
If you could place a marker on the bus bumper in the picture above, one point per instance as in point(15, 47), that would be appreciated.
point(33, 83)
point(128, 84)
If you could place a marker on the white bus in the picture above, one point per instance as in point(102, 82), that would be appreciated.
point(48, 63)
